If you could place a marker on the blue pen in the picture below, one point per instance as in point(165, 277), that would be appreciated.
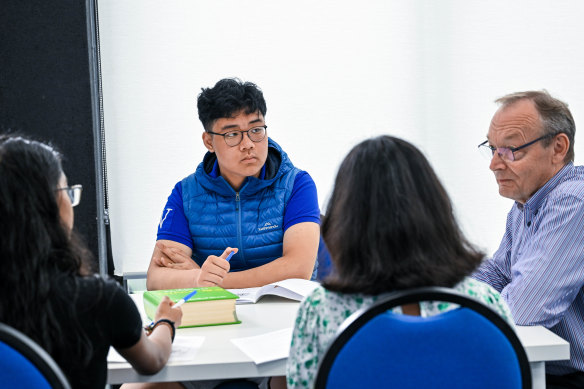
point(178, 304)
point(185, 299)
point(194, 292)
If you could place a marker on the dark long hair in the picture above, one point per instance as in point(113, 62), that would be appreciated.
point(37, 252)
point(389, 224)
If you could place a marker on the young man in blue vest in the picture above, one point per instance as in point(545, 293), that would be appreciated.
point(246, 196)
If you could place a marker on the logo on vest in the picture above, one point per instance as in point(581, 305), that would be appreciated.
point(163, 218)
point(268, 226)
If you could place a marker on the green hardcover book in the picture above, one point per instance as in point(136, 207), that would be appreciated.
point(210, 306)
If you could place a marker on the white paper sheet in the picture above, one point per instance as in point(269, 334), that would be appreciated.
point(184, 348)
point(270, 346)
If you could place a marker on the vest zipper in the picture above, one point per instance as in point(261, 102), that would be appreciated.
point(240, 253)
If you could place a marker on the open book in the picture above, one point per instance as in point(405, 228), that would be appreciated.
point(293, 288)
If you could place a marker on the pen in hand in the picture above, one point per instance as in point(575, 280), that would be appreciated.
point(185, 299)
point(229, 256)
point(180, 302)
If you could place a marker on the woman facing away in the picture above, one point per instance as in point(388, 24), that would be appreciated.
point(389, 226)
point(47, 286)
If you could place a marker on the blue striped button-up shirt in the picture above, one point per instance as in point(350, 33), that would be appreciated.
point(539, 267)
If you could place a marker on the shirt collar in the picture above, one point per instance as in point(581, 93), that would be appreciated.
point(215, 171)
point(532, 205)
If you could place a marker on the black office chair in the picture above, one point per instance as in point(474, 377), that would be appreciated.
point(467, 347)
point(24, 364)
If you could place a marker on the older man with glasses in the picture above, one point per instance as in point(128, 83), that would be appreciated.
point(246, 197)
point(539, 266)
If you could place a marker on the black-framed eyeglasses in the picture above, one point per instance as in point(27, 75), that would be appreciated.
point(74, 193)
point(506, 153)
point(233, 138)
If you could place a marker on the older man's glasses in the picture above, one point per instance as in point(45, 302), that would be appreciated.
point(74, 193)
point(506, 153)
point(233, 138)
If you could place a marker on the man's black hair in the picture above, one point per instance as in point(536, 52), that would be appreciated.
point(228, 97)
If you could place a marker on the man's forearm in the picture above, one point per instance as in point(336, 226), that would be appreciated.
point(277, 270)
point(165, 278)
point(489, 273)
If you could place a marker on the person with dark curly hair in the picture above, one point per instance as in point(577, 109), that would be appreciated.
point(245, 197)
point(389, 226)
point(49, 290)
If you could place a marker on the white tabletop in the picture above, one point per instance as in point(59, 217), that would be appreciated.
point(220, 358)
point(542, 345)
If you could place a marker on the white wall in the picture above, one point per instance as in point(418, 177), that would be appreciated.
point(333, 73)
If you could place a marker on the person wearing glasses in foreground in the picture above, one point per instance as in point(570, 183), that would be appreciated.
point(539, 266)
point(49, 291)
point(389, 226)
point(245, 196)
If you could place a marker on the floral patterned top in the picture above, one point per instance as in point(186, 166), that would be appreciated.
point(322, 312)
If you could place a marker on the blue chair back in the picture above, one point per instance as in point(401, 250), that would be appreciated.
point(468, 347)
point(24, 364)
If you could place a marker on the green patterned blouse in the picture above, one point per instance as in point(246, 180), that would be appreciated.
point(323, 311)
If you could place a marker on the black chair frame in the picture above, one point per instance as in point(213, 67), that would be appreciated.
point(394, 299)
point(36, 355)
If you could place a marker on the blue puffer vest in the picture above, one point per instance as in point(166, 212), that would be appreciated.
point(251, 219)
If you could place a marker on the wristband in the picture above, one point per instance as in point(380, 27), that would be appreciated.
point(153, 325)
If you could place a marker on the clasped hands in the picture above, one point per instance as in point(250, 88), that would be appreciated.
point(212, 273)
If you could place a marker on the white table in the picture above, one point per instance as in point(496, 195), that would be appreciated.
point(219, 358)
point(542, 345)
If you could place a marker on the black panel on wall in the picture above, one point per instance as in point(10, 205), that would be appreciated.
point(45, 89)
